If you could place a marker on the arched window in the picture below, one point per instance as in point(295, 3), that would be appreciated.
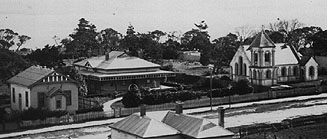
point(240, 61)
point(254, 74)
point(236, 69)
point(268, 74)
point(267, 56)
point(244, 67)
point(311, 71)
point(295, 71)
point(256, 57)
point(283, 71)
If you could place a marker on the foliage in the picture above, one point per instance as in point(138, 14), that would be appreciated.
point(224, 50)
point(83, 41)
point(93, 109)
point(48, 56)
point(242, 87)
point(9, 38)
point(34, 114)
point(109, 39)
point(131, 99)
point(11, 64)
point(319, 40)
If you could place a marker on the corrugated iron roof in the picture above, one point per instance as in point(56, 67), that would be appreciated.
point(194, 127)
point(30, 76)
point(117, 60)
point(143, 126)
point(262, 40)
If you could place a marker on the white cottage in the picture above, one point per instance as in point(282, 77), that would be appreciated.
point(265, 63)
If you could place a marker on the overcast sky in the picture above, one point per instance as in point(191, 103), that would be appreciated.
point(43, 19)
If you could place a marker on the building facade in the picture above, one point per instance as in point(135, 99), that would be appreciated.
point(265, 63)
point(117, 72)
point(40, 87)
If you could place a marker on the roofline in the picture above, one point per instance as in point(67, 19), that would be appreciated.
point(120, 68)
point(141, 136)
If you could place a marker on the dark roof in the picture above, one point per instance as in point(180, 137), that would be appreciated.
point(321, 60)
point(262, 40)
point(193, 126)
point(143, 126)
point(304, 60)
point(30, 76)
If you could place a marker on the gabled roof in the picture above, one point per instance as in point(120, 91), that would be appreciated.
point(117, 60)
point(194, 127)
point(262, 40)
point(30, 76)
point(283, 54)
point(144, 127)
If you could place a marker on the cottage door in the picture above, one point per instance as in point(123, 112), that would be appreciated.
point(20, 101)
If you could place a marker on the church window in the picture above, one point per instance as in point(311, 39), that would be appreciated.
point(283, 71)
point(244, 67)
point(295, 71)
point(311, 71)
point(240, 61)
point(254, 74)
point(236, 69)
point(256, 57)
point(268, 74)
point(267, 56)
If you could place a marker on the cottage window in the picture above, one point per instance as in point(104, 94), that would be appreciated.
point(13, 95)
point(311, 71)
point(68, 94)
point(26, 98)
point(40, 98)
point(58, 104)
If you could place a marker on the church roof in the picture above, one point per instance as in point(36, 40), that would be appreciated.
point(262, 40)
point(283, 54)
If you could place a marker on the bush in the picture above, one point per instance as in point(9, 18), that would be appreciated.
point(131, 99)
point(93, 109)
point(242, 87)
point(34, 114)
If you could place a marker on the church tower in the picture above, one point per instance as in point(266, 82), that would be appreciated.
point(262, 60)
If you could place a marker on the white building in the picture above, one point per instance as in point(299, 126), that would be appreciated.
point(265, 63)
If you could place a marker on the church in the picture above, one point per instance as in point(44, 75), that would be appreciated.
point(265, 63)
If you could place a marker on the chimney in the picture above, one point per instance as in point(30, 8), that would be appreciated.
point(179, 107)
point(221, 116)
point(107, 56)
point(142, 110)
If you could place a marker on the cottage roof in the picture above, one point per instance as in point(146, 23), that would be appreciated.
point(144, 127)
point(194, 127)
point(283, 54)
point(262, 40)
point(30, 76)
point(117, 60)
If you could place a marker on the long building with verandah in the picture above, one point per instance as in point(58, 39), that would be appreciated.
point(117, 72)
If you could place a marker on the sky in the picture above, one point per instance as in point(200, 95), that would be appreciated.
point(43, 19)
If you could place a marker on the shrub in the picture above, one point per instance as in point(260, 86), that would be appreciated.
point(93, 109)
point(131, 99)
point(34, 114)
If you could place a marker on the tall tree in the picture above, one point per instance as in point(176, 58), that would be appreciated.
point(83, 40)
point(109, 39)
point(9, 38)
point(244, 32)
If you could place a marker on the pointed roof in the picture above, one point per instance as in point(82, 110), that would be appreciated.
point(144, 127)
point(31, 75)
point(262, 40)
